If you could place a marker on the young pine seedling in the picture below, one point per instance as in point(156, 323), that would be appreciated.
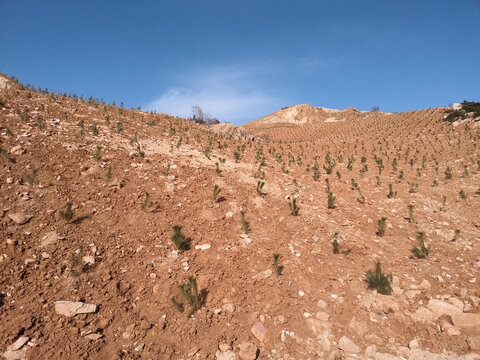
point(96, 154)
point(331, 200)
point(217, 168)
point(335, 243)
point(462, 195)
point(260, 185)
point(216, 192)
point(179, 239)
point(245, 223)
point(421, 251)
point(67, 215)
point(413, 188)
point(278, 269)
point(108, 175)
point(146, 203)
point(448, 173)
point(190, 293)
point(379, 281)
point(456, 236)
point(77, 259)
point(410, 213)
point(381, 226)
point(294, 209)
point(391, 193)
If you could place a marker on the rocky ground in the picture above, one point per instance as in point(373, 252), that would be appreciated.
point(98, 284)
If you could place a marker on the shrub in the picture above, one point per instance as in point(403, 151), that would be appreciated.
point(276, 266)
point(96, 154)
point(420, 251)
point(381, 226)
point(77, 259)
point(462, 195)
point(68, 213)
point(108, 175)
point(179, 239)
point(413, 188)
point(379, 281)
point(448, 173)
point(217, 168)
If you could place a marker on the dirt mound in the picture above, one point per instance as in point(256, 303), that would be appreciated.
point(133, 235)
point(232, 130)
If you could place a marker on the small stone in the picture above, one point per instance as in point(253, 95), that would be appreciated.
point(315, 238)
point(17, 345)
point(17, 150)
point(317, 326)
point(202, 247)
point(20, 218)
point(229, 214)
point(323, 316)
point(322, 304)
point(50, 238)
point(413, 344)
point(263, 275)
point(386, 303)
point(89, 260)
point(224, 347)
point(348, 345)
point(247, 351)
point(425, 285)
point(94, 336)
point(228, 308)
point(70, 308)
point(424, 315)
point(259, 331)
point(140, 347)
point(227, 355)
point(474, 343)
point(9, 180)
point(281, 319)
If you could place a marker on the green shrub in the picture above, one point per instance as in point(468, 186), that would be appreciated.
point(245, 223)
point(379, 281)
point(190, 293)
point(216, 192)
point(294, 209)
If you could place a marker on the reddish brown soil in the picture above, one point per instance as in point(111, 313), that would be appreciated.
point(137, 268)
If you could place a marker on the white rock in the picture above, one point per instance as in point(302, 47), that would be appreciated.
point(202, 247)
point(348, 345)
point(70, 308)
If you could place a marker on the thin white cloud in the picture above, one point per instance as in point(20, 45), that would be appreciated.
point(230, 94)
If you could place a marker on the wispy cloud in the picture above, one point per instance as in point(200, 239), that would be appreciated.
point(231, 94)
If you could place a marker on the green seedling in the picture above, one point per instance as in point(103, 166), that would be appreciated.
point(278, 269)
point(379, 281)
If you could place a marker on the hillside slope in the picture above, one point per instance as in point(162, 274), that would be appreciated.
point(131, 176)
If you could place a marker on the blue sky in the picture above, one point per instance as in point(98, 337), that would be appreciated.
point(243, 59)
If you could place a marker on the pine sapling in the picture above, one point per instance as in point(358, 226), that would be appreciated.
point(190, 293)
point(331, 200)
point(381, 226)
point(216, 192)
point(245, 223)
point(67, 215)
point(108, 175)
point(146, 202)
point(217, 168)
point(462, 195)
point(276, 266)
point(32, 178)
point(410, 213)
point(335, 243)
point(379, 281)
point(179, 239)
point(391, 193)
point(421, 251)
point(294, 209)
point(260, 185)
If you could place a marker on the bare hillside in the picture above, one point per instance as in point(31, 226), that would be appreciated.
point(372, 217)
